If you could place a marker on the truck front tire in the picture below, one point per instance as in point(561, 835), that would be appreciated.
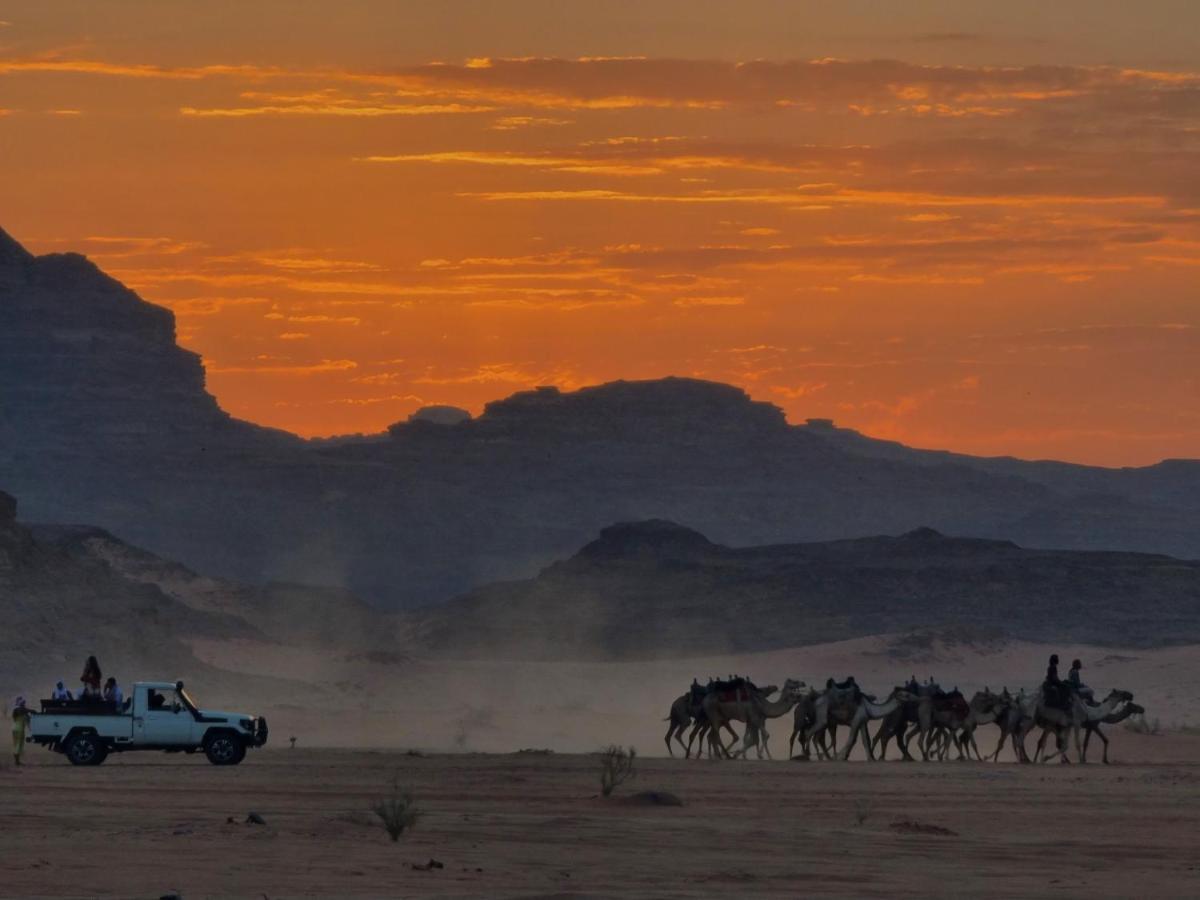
point(85, 750)
point(224, 749)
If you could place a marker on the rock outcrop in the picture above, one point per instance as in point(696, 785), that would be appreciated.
point(654, 589)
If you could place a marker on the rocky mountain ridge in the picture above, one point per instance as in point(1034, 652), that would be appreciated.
point(105, 420)
point(644, 590)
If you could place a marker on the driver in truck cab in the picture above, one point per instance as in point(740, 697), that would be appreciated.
point(155, 700)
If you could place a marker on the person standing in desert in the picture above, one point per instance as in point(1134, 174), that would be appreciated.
point(20, 720)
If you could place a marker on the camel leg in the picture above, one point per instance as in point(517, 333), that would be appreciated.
point(698, 731)
point(1018, 742)
point(850, 742)
point(882, 736)
point(792, 742)
point(1040, 752)
point(670, 734)
point(733, 736)
point(902, 743)
point(1000, 746)
point(1100, 734)
point(764, 740)
point(915, 730)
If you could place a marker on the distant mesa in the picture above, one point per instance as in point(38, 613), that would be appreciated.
point(680, 405)
point(656, 539)
point(656, 589)
point(440, 415)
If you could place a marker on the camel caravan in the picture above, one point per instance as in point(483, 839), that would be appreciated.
point(939, 720)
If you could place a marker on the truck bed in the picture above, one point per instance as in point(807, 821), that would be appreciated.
point(80, 708)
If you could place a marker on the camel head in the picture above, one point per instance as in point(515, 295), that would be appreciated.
point(793, 688)
point(1136, 710)
point(768, 690)
point(1116, 695)
point(904, 695)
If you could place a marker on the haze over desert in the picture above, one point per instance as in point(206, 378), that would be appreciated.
point(599, 450)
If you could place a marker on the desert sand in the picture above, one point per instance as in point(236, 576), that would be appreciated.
point(532, 825)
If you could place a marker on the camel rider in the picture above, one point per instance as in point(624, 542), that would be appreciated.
point(1076, 682)
point(1052, 687)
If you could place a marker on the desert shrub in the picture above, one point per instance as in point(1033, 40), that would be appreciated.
point(396, 811)
point(1142, 725)
point(862, 811)
point(616, 767)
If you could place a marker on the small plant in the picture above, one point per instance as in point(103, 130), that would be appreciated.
point(396, 811)
point(862, 811)
point(616, 767)
point(1142, 725)
point(292, 741)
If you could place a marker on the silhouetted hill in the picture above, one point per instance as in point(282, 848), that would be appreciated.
point(104, 419)
point(652, 589)
point(71, 591)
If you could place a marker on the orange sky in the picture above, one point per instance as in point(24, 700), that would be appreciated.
point(958, 226)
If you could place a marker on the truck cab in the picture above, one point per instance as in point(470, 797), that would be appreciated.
point(158, 715)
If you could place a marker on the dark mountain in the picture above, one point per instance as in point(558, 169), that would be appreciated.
point(654, 589)
point(104, 419)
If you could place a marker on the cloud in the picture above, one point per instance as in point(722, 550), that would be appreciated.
point(709, 301)
point(335, 109)
point(948, 37)
point(316, 368)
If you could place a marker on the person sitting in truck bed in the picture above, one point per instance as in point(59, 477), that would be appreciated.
point(90, 678)
point(61, 693)
point(112, 693)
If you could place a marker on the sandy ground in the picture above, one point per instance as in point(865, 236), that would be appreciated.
point(526, 825)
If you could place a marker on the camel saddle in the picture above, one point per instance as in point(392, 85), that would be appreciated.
point(953, 702)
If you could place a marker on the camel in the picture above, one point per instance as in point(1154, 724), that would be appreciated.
point(684, 711)
point(895, 725)
point(751, 707)
point(840, 706)
point(986, 709)
point(1090, 723)
point(1090, 728)
point(1060, 721)
point(935, 724)
point(703, 728)
point(803, 717)
point(866, 712)
point(831, 707)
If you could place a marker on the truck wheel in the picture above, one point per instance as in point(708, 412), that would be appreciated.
point(85, 750)
point(223, 749)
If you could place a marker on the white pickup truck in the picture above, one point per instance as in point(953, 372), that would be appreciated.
point(160, 715)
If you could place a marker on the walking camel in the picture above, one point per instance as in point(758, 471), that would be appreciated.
point(751, 707)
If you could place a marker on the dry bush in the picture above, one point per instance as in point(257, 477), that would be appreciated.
point(396, 811)
point(616, 767)
point(1142, 725)
point(862, 811)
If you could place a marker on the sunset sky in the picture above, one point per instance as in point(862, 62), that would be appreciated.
point(968, 225)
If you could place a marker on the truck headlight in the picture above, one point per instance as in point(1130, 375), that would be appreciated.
point(247, 724)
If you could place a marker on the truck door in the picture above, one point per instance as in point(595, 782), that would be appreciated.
point(164, 721)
